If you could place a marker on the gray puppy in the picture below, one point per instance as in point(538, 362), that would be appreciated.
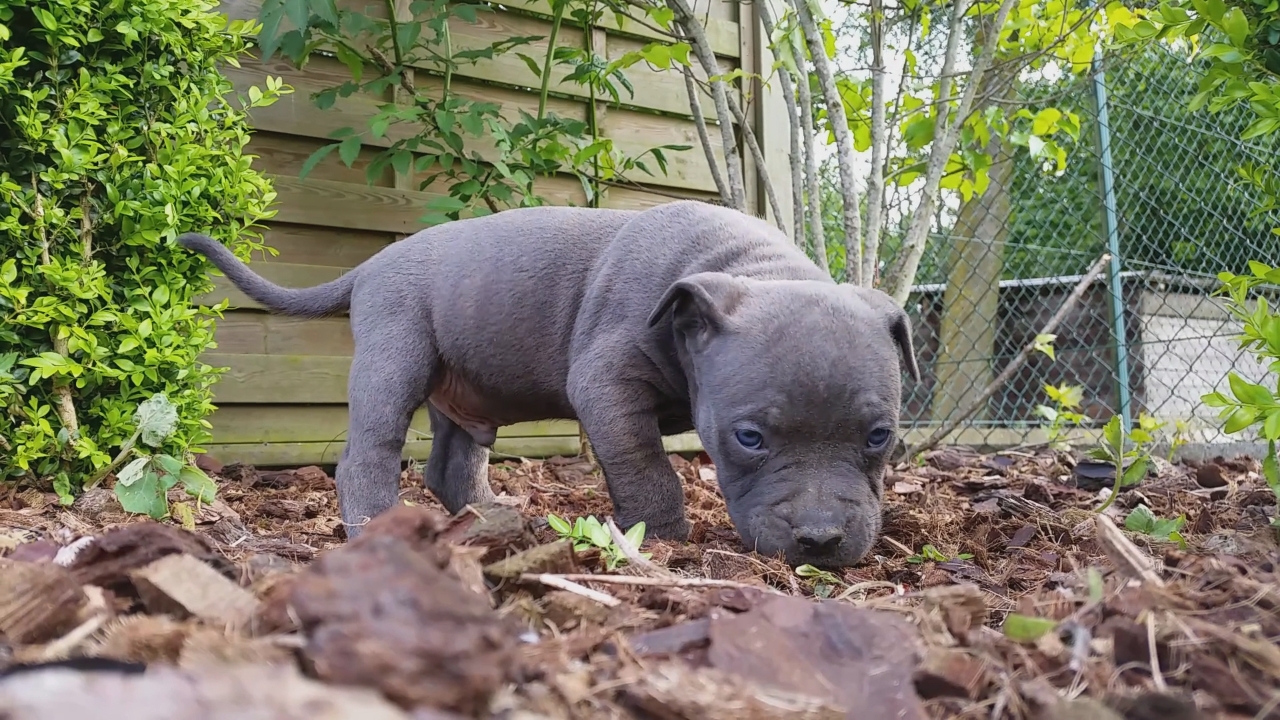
point(638, 324)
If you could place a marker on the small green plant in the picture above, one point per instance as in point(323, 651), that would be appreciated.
point(588, 532)
point(1142, 520)
point(933, 554)
point(824, 581)
point(1179, 437)
point(1130, 452)
point(1254, 404)
point(1064, 413)
point(143, 485)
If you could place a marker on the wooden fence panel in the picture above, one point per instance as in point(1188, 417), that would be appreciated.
point(282, 399)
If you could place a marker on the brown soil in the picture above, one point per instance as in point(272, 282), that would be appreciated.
point(447, 617)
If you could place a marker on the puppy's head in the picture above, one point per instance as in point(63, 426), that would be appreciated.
point(796, 388)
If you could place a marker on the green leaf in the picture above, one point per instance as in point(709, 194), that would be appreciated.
point(143, 497)
point(1046, 121)
point(1237, 26)
point(1027, 629)
point(599, 534)
point(1135, 473)
point(1242, 418)
point(314, 159)
point(1113, 433)
point(1249, 393)
point(169, 464)
point(559, 524)
point(1140, 520)
point(635, 535)
point(349, 150)
point(1271, 468)
point(197, 484)
point(1271, 428)
point(132, 472)
point(156, 419)
point(354, 63)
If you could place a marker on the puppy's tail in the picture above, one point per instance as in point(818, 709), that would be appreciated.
point(330, 298)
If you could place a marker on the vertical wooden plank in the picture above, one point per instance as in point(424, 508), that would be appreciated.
point(403, 181)
point(773, 124)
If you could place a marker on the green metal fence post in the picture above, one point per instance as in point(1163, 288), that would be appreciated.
point(1119, 337)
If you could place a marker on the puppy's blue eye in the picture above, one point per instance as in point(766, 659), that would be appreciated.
point(749, 439)
point(878, 437)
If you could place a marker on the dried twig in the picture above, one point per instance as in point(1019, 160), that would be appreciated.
point(635, 560)
point(1128, 559)
point(1072, 300)
point(682, 582)
point(562, 582)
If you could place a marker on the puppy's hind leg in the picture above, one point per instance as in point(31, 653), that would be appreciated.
point(386, 386)
point(458, 469)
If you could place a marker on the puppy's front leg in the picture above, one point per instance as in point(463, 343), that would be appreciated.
point(620, 420)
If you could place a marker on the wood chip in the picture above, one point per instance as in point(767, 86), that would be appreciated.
point(1126, 556)
point(184, 586)
point(38, 601)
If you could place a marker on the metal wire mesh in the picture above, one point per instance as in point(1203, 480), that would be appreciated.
point(997, 267)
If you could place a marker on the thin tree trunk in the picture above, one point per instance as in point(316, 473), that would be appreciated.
point(793, 116)
point(700, 123)
point(901, 275)
point(697, 37)
point(812, 180)
point(879, 146)
point(844, 142)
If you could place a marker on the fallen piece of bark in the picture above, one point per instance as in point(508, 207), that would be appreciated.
point(672, 640)
point(857, 659)
point(245, 692)
point(38, 601)
point(950, 673)
point(569, 610)
point(183, 586)
point(676, 691)
point(109, 558)
point(384, 613)
point(555, 557)
point(499, 529)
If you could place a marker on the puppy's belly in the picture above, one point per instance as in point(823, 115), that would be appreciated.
point(481, 412)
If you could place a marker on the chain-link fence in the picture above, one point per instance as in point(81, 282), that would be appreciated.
point(1168, 197)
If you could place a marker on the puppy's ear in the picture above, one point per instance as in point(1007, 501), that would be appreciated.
point(700, 303)
point(899, 325)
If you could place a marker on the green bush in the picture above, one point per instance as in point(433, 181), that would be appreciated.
point(117, 132)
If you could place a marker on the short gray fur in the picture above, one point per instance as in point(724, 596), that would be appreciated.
point(637, 324)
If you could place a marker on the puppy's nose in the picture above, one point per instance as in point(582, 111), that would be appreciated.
point(819, 540)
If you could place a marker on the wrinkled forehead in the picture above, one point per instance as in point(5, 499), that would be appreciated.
point(827, 353)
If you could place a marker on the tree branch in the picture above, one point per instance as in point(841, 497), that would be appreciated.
point(1072, 300)
point(902, 273)
point(844, 141)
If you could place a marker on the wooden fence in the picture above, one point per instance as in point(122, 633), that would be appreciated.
point(283, 400)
